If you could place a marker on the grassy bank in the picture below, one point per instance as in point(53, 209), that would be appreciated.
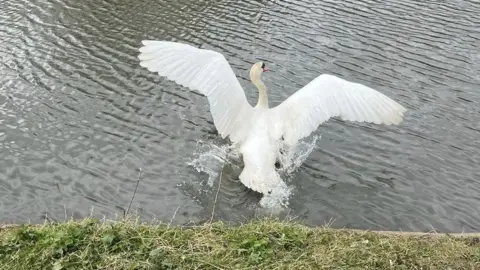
point(90, 244)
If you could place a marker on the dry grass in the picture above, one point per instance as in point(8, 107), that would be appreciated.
point(266, 244)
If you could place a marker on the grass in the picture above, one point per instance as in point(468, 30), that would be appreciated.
point(263, 244)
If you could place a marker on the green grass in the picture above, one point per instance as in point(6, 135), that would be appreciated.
point(266, 244)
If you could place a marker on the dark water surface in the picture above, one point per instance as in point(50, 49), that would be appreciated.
point(79, 116)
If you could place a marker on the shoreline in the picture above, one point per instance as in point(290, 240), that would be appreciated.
point(259, 244)
point(381, 232)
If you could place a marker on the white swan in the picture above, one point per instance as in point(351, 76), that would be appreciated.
point(260, 131)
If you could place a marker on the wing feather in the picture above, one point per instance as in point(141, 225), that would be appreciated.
point(209, 73)
point(329, 96)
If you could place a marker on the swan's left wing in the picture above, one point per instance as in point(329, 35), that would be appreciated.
point(329, 96)
point(207, 72)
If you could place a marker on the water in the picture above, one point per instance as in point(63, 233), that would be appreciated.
point(79, 116)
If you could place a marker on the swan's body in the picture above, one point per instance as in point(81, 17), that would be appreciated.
point(260, 131)
point(260, 151)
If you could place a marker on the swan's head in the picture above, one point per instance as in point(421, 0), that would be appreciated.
point(257, 70)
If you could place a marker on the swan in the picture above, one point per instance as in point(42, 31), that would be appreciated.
point(260, 132)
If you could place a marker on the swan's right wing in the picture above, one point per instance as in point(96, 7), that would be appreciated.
point(207, 72)
point(329, 96)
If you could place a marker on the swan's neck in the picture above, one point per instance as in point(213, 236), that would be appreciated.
point(262, 94)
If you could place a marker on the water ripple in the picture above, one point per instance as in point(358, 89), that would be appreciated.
point(78, 116)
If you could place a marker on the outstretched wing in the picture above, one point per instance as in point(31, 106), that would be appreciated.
point(329, 96)
point(207, 72)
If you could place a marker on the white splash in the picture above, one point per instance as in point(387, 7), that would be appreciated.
point(294, 157)
point(210, 159)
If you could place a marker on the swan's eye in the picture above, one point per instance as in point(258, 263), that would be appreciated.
point(263, 65)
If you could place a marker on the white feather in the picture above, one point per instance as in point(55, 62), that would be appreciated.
point(329, 96)
point(259, 130)
point(207, 72)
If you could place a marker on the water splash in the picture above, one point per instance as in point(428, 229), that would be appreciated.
point(210, 158)
point(293, 158)
point(290, 160)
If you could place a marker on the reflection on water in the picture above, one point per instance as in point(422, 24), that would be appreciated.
point(79, 116)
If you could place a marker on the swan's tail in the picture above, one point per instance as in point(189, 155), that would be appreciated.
point(260, 179)
point(259, 154)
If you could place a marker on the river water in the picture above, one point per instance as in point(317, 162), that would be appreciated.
point(79, 117)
